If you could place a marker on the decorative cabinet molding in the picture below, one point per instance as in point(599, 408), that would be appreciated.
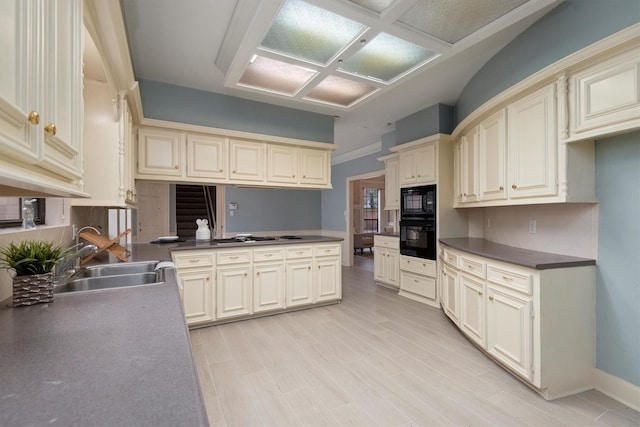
point(221, 285)
point(538, 324)
point(41, 98)
point(165, 154)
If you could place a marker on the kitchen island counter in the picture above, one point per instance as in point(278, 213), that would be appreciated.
point(112, 357)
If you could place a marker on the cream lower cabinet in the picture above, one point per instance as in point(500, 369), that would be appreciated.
point(418, 279)
point(450, 294)
point(268, 279)
point(299, 276)
point(220, 285)
point(328, 271)
point(197, 276)
point(538, 324)
point(386, 260)
point(233, 283)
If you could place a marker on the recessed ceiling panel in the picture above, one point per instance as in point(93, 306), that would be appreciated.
point(307, 32)
point(275, 76)
point(374, 5)
point(340, 91)
point(385, 58)
point(453, 20)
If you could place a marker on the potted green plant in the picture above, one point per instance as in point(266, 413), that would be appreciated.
point(32, 262)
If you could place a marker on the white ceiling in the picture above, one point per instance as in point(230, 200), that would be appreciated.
point(183, 43)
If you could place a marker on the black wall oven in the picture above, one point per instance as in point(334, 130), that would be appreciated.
point(418, 222)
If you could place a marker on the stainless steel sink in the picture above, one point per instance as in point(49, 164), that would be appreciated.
point(116, 269)
point(112, 276)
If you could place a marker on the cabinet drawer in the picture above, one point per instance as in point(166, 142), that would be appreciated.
point(233, 257)
point(268, 254)
point(450, 258)
point(326, 250)
point(418, 284)
point(521, 281)
point(193, 259)
point(299, 252)
point(472, 266)
point(425, 267)
point(386, 242)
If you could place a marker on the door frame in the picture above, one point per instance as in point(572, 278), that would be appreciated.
point(349, 209)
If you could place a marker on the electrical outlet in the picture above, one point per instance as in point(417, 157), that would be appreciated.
point(532, 226)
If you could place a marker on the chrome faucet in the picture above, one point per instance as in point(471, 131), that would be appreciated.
point(69, 263)
point(88, 227)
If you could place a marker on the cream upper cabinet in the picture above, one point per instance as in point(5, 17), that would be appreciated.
point(605, 97)
point(315, 167)
point(196, 154)
point(418, 165)
point(533, 145)
point(392, 183)
point(492, 162)
point(206, 156)
point(469, 166)
point(282, 164)
point(41, 95)
point(160, 152)
point(108, 146)
point(246, 160)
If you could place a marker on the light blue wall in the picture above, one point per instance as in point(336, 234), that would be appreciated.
point(273, 210)
point(438, 118)
point(260, 209)
point(618, 269)
point(180, 104)
point(571, 26)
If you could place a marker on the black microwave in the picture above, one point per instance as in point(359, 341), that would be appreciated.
point(418, 203)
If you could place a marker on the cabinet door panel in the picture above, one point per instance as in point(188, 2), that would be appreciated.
point(492, 144)
point(391, 184)
point(472, 309)
point(233, 291)
point(197, 296)
point(327, 279)
point(314, 167)
point(159, 153)
point(510, 331)
point(469, 166)
point(246, 160)
point(532, 145)
point(450, 293)
point(206, 156)
point(282, 164)
point(426, 164)
point(268, 287)
point(299, 283)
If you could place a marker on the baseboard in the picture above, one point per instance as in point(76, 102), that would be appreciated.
point(617, 388)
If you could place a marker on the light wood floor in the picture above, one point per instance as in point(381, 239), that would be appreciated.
point(375, 359)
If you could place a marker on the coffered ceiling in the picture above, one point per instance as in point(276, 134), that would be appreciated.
point(366, 62)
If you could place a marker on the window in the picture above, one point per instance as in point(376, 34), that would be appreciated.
point(370, 210)
point(11, 211)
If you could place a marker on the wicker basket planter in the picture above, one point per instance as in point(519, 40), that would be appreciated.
point(32, 289)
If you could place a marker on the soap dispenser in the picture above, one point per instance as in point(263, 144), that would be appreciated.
point(203, 233)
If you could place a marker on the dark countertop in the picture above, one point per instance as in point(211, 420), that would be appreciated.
point(519, 256)
point(113, 357)
point(158, 250)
